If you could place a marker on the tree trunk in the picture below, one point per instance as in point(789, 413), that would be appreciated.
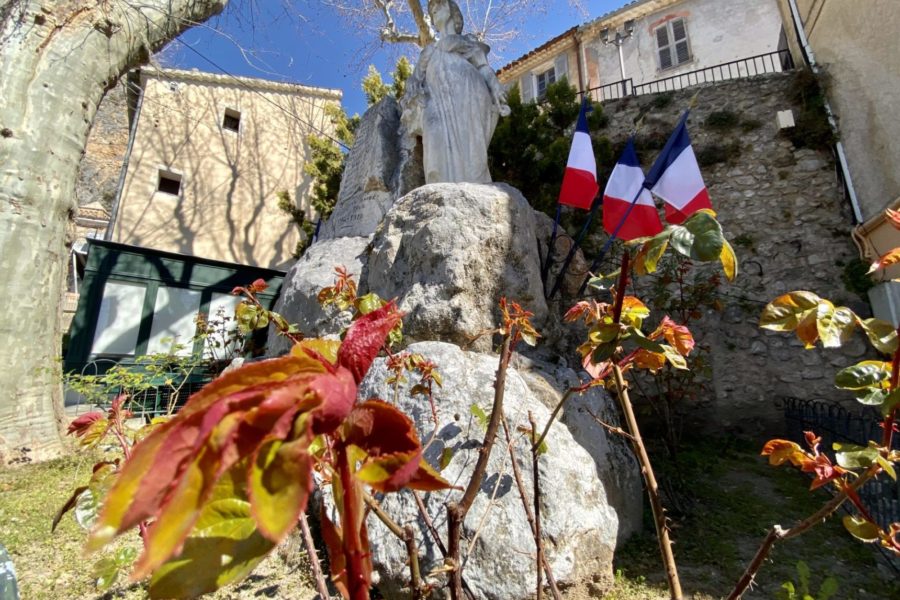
point(57, 59)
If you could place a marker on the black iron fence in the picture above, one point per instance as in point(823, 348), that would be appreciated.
point(834, 423)
point(762, 64)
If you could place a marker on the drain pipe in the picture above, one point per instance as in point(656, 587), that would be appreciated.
point(113, 217)
point(838, 146)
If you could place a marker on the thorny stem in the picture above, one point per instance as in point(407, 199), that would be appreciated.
point(357, 583)
point(777, 533)
point(408, 535)
point(659, 513)
point(552, 418)
point(536, 475)
point(456, 511)
point(888, 423)
point(321, 586)
point(529, 515)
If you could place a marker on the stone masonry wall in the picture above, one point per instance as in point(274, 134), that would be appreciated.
point(98, 173)
point(783, 211)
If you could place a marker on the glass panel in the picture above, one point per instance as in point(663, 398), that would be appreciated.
point(220, 343)
point(678, 30)
point(119, 318)
point(174, 318)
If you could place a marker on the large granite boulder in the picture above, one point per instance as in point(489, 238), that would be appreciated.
point(448, 252)
point(580, 525)
point(314, 270)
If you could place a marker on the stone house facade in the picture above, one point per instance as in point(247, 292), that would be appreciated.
point(209, 153)
point(651, 40)
point(855, 46)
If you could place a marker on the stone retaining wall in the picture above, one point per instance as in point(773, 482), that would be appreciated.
point(784, 212)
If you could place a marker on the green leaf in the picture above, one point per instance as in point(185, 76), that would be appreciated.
point(602, 333)
point(861, 529)
point(864, 375)
point(105, 572)
point(851, 456)
point(786, 312)
point(69, 505)
point(835, 325)
point(603, 352)
point(542, 447)
point(872, 397)
point(882, 335)
point(729, 261)
point(280, 479)
point(708, 239)
point(674, 358)
point(480, 415)
point(368, 303)
point(604, 282)
point(640, 340)
point(224, 546)
point(446, 457)
point(803, 575)
point(648, 257)
point(887, 466)
point(828, 588)
point(890, 402)
point(681, 239)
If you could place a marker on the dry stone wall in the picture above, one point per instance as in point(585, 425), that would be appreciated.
point(785, 214)
point(98, 173)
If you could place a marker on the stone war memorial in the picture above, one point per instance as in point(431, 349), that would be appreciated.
point(418, 219)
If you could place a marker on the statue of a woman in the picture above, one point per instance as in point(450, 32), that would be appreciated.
point(453, 101)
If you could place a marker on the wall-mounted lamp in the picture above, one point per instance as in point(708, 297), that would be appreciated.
point(621, 36)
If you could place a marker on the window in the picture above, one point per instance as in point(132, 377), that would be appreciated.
point(232, 120)
point(119, 318)
point(169, 183)
point(174, 321)
point(672, 44)
point(543, 80)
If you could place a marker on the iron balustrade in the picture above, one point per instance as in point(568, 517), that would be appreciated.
point(834, 423)
point(761, 64)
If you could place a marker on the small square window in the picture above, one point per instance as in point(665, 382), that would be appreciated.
point(232, 120)
point(169, 183)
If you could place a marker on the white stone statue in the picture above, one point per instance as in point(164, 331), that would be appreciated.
point(453, 100)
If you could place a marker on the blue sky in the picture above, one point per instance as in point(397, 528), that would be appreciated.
point(319, 48)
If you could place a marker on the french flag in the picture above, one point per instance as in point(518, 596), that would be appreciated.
point(579, 185)
point(628, 209)
point(675, 177)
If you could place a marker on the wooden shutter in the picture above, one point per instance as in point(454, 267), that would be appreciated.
point(662, 44)
point(526, 87)
point(679, 38)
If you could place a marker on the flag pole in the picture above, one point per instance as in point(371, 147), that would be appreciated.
point(611, 239)
point(574, 248)
point(545, 271)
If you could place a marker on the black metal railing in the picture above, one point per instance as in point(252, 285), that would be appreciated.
point(834, 423)
point(761, 64)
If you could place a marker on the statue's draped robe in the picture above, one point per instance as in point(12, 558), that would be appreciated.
point(459, 112)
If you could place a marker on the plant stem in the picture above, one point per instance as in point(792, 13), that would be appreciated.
point(352, 524)
point(517, 476)
point(777, 533)
point(536, 475)
point(888, 423)
point(536, 444)
point(456, 511)
point(407, 534)
point(321, 586)
point(659, 513)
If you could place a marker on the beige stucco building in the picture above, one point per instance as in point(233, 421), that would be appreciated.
point(208, 155)
point(659, 40)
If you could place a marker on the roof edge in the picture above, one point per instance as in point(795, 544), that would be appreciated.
point(254, 82)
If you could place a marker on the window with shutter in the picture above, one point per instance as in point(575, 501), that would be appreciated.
point(543, 80)
point(672, 44)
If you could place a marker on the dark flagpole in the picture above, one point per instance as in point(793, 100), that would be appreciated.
point(559, 278)
point(546, 269)
point(611, 239)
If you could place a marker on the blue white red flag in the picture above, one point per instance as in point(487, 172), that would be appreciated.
point(579, 185)
point(628, 209)
point(675, 176)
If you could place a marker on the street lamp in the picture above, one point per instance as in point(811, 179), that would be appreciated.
point(618, 40)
